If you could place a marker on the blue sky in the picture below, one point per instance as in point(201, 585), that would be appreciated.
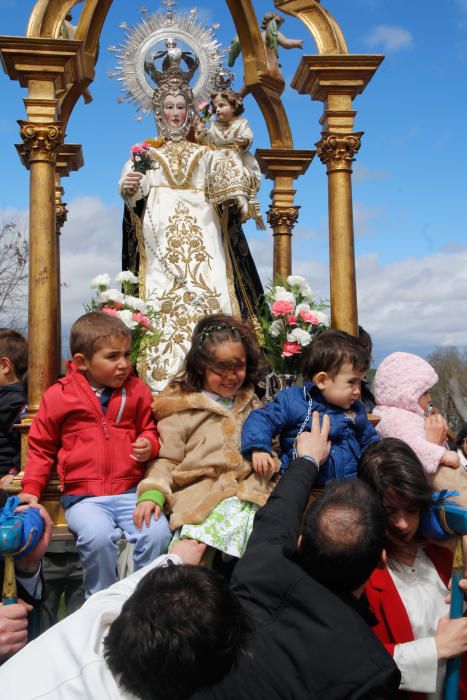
point(409, 182)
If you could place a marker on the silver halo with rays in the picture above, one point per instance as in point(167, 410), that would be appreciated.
point(158, 27)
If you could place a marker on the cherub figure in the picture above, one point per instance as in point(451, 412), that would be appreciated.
point(229, 129)
point(272, 39)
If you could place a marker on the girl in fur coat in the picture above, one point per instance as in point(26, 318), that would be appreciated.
point(402, 391)
point(200, 477)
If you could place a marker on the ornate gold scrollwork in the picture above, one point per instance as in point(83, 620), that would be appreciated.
point(282, 219)
point(41, 141)
point(337, 151)
point(61, 214)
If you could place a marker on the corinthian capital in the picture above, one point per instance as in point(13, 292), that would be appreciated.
point(282, 219)
point(337, 151)
point(40, 141)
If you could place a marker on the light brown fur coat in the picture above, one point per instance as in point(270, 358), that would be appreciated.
point(200, 463)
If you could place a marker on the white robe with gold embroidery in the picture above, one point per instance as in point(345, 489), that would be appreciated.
point(183, 269)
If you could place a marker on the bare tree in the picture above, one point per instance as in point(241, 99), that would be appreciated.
point(450, 395)
point(14, 253)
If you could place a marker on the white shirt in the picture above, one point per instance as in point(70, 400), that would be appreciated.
point(423, 594)
point(67, 661)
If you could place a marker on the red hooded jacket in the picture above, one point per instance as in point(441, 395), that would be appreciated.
point(90, 450)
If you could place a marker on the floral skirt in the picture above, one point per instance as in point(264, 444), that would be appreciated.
point(226, 528)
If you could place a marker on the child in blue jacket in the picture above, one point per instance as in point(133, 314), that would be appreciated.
point(333, 368)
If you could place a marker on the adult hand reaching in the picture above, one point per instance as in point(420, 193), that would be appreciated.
point(315, 443)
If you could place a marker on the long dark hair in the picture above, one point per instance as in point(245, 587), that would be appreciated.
point(208, 333)
point(392, 464)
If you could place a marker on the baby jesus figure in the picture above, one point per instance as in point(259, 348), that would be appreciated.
point(229, 129)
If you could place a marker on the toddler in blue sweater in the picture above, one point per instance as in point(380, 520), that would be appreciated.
point(333, 368)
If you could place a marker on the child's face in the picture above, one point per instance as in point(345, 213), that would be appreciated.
point(228, 369)
point(110, 365)
point(342, 389)
point(223, 109)
point(425, 401)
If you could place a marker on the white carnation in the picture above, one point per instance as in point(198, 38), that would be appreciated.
point(126, 276)
point(298, 335)
point(296, 280)
point(281, 294)
point(127, 317)
point(302, 284)
point(322, 317)
point(275, 328)
point(101, 281)
point(307, 292)
point(135, 303)
point(111, 295)
point(302, 307)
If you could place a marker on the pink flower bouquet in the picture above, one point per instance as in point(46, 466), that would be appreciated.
point(138, 314)
point(141, 157)
point(290, 320)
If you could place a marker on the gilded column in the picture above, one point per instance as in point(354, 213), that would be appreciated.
point(283, 166)
point(282, 219)
point(335, 80)
point(337, 152)
point(61, 213)
point(39, 152)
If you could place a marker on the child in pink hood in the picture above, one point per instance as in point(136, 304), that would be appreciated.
point(402, 391)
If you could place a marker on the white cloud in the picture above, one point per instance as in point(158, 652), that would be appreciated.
point(364, 217)
point(362, 173)
point(90, 243)
point(388, 38)
point(413, 305)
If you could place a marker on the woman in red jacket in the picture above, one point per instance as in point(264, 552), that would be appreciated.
point(408, 597)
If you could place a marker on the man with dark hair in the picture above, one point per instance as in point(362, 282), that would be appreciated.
point(310, 642)
point(166, 631)
point(346, 524)
point(180, 630)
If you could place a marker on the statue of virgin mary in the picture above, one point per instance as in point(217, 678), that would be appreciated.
point(185, 214)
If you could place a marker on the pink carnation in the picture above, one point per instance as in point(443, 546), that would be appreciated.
point(141, 319)
point(137, 149)
point(281, 308)
point(292, 320)
point(109, 311)
point(309, 317)
point(290, 349)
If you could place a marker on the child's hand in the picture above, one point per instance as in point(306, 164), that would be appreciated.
point(141, 450)
point(436, 428)
point(189, 551)
point(142, 513)
point(27, 498)
point(263, 463)
point(450, 459)
point(6, 480)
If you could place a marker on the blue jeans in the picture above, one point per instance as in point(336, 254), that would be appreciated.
point(99, 523)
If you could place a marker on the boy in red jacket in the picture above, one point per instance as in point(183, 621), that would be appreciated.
point(96, 426)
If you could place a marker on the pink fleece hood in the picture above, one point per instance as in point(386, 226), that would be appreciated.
point(401, 379)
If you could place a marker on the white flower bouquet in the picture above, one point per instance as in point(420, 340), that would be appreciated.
point(136, 313)
point(290, 320)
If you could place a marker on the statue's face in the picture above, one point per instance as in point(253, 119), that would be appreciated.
point(174, 111)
